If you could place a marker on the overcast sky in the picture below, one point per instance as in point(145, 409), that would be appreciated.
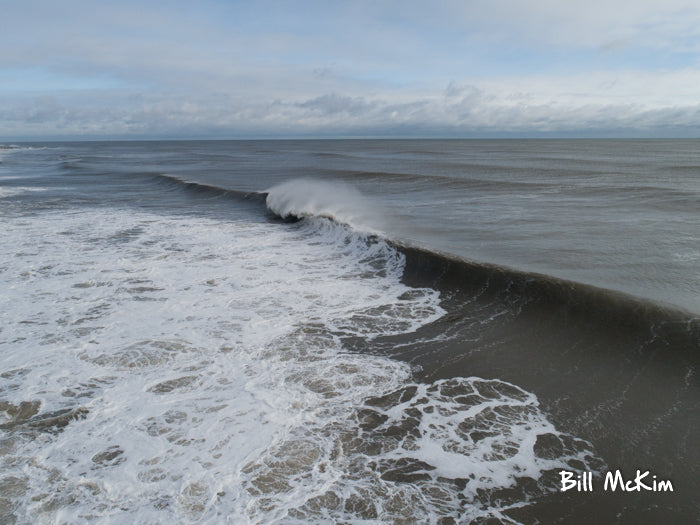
point(230, 69)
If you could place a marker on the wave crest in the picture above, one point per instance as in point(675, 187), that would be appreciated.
point(300, 198)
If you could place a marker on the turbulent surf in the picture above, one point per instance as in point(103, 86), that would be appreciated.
point(175, 348)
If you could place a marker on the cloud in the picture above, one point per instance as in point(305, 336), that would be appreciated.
point(332, 105)
point(183, 69)
point(634, 102)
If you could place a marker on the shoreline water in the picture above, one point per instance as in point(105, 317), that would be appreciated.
point(141, 308)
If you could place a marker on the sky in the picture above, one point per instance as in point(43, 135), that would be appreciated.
point(277, 69)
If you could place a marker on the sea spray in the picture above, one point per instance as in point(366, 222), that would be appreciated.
point(341, 202)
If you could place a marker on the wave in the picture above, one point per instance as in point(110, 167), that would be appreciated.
point(615, 370)
point(300, 198)
point(207, 189)
point(10, 147)
point(516, 374)
point(9, 191)
point(610, 368)
point(446, 271)
point(294, 200)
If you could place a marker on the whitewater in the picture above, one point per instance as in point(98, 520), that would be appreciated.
point(268, 351)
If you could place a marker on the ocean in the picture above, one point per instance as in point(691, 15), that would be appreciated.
point(349, 331)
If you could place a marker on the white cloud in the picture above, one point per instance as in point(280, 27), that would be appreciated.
point(448, 68)
point(526, 105)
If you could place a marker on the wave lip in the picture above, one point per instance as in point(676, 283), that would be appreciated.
point(301, 198)
point(207, 189)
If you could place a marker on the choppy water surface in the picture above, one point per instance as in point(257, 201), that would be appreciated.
point(171, 350)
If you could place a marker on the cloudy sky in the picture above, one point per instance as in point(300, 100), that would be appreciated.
point(234, 69)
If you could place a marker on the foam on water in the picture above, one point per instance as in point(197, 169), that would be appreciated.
point(315, 198)
point(179, 368)
point(9, 191)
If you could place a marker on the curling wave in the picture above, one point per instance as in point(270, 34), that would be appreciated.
point(300, 198)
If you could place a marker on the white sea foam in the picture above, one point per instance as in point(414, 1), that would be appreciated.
point(12, 191)
point(159, 369)
point(315, 198)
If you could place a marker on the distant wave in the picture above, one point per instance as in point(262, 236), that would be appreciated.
point(10, 191)
point(207, 189)
point(11, 148)
point(14, 147)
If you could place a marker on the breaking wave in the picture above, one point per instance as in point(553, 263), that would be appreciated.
point(191, 369)
point(301, 198)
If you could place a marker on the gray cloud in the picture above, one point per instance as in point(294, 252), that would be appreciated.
point(463, 112)
point(333, 104)
point(349, 68)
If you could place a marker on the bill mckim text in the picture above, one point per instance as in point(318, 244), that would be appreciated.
point(614, 481)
